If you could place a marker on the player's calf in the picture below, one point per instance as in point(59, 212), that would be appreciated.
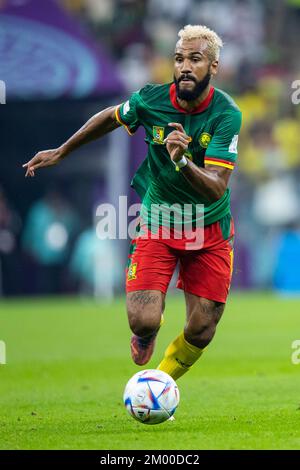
point(202, 318)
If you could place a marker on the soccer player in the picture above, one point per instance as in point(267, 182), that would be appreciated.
point(192, 132)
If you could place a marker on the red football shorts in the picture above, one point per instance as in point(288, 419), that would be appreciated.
point(205, 272)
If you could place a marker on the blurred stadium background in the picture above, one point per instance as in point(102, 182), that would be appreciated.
point(64, 60)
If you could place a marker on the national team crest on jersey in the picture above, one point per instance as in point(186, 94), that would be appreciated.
point(204, 139)
point(132, 272)
point(158, 134)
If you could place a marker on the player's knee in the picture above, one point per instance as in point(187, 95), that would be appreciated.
point(141, 325)
point(200, 335)
point(144, 311)
point(204, 316)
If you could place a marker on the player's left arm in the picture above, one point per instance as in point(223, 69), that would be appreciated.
point(212, 180)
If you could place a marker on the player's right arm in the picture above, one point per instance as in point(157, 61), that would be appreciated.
point(97, 126)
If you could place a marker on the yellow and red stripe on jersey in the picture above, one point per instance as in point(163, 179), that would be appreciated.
point(219, 162)
point(119, 119)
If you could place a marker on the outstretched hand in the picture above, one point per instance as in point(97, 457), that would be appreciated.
point(177, 142)
point(41, 160)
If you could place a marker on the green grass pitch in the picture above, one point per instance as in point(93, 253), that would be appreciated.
point(68, 361)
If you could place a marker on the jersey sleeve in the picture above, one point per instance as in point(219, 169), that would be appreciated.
point(222, 149)
point(126, 114)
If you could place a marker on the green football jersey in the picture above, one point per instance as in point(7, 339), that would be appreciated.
point(213, 127)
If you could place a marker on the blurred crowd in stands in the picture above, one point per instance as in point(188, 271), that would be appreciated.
point(258, 65)
point(54, 251)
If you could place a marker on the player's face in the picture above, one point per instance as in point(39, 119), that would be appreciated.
point(192, 68)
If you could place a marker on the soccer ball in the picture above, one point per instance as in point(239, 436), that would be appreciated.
point(151, 396)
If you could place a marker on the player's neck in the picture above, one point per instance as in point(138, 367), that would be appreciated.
point(190, 105)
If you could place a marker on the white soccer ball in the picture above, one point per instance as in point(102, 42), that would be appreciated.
point(151, 396)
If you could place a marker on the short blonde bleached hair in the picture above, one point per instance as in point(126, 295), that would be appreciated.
point(214, 42)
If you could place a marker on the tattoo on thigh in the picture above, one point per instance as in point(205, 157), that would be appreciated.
point(144, 298)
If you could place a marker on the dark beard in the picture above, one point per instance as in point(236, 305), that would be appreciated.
point(191, 95)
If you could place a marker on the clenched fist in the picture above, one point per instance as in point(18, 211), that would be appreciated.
point(177, 142)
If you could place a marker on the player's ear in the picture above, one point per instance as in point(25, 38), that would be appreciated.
point(214, 67)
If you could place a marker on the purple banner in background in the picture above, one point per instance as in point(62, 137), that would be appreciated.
point(45, 53)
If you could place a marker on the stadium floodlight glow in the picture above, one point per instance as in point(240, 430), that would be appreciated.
point(2, 92)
